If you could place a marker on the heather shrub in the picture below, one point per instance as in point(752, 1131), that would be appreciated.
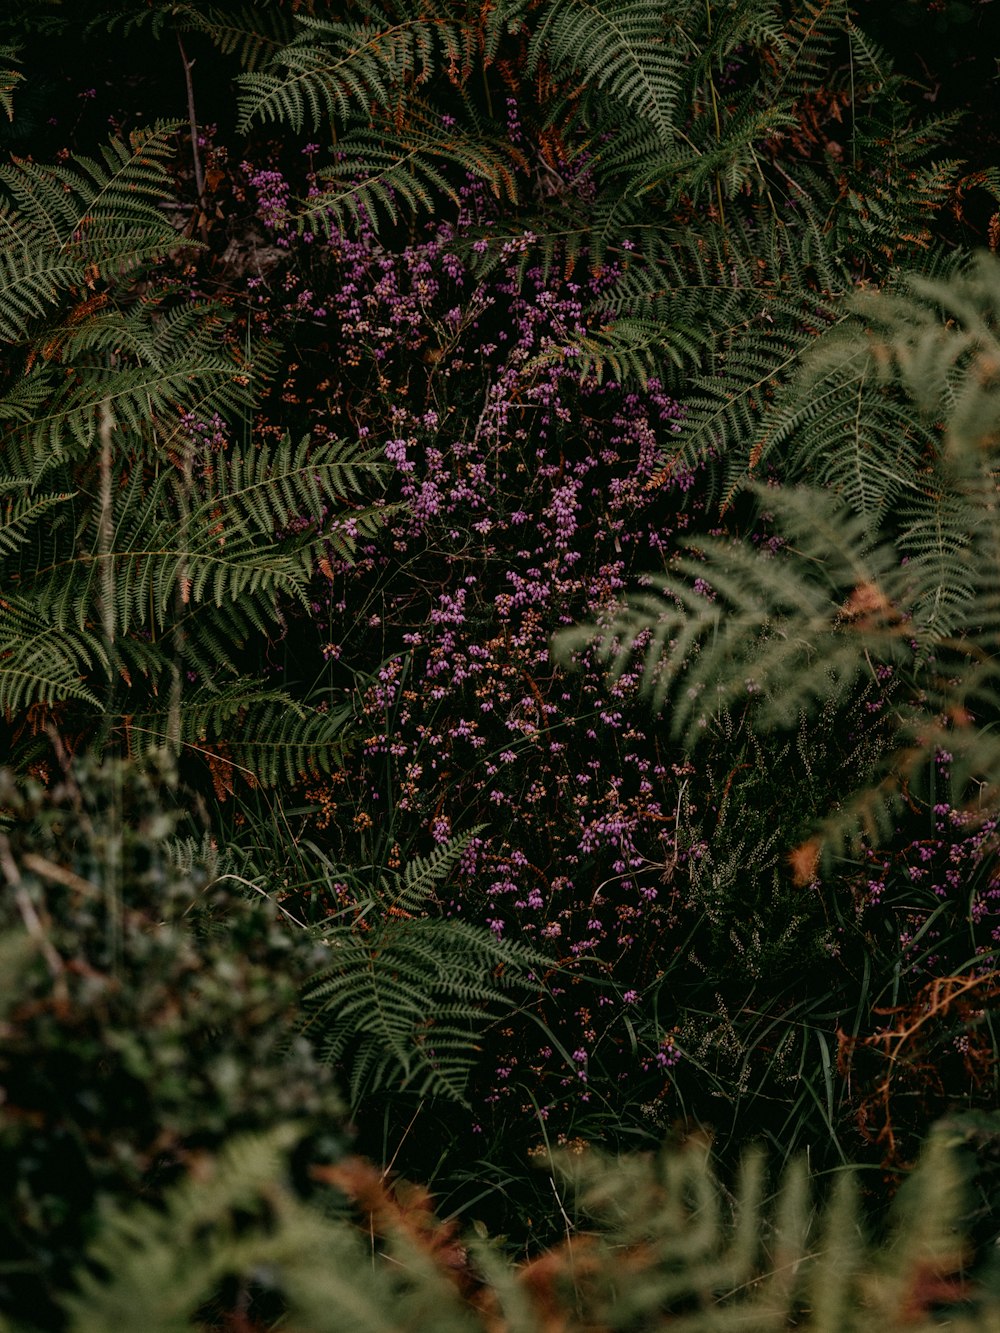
point(531, 497)
point(533, 491)
point(526, 503)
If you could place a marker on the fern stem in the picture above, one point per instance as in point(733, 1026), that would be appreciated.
point(199, 174)
point(104, 530)
point(106, 570)
point(854, 115)
point(105, 542)
point(715, 116)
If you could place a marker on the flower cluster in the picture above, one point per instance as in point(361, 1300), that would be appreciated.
point(528, 493)
point(526, 505)
point(938, 888)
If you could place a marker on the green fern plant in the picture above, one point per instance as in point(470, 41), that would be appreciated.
point(657, 1247)
point(10, 77)
point(64, 229)
point(243, 1220)
point(147, 366)
point(730, 265)
point(624, 76)
point(137, 563)
point(350, 74)
point(173, 574)
point(734, 248)
point(406, 172)
point(407, 993)
point(331, 71)
point(910, 591)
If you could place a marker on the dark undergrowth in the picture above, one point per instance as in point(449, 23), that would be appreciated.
point(498, 624)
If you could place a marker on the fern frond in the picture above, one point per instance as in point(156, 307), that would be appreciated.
point(167, 1264)
point(20, 509)
point(271, 488)
point(149, 367)
point(380, 170)
point(31, 277)
point(242, 1217)
point(99, 211)
point(422, 874)
point(68, 227)
point(633, 349)
point(284, 744)
point(666, 1247)
point(624, 47)
point(148, 575)
point(862, 445)
point(861, 587)
point(404, 1001)
point(9, 78)
point(334, 71)
point(41, 664)
point(937, 542)
point(728, 623)
point(260, 733)
point(406, 993)
point(253, 33)
point(815, 29)
point(202, 858)
point(182, 566)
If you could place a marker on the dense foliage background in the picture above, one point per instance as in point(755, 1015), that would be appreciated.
point(499, 617)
